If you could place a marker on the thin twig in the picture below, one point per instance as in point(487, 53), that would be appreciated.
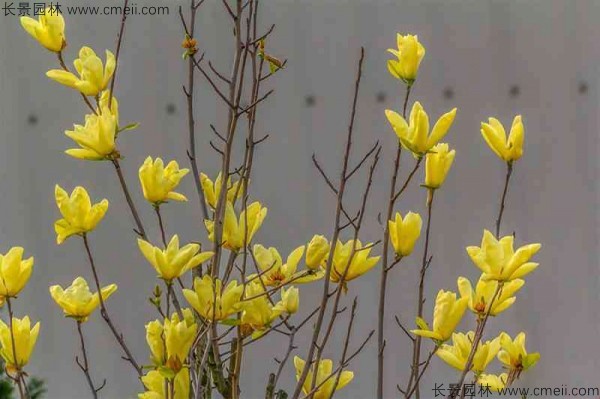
point(385, 268)
point(336, 231)
point(140, 228)
point(509, 169)
point(85, 366)
point(117, 53)
point(19, 374)
point(104, 312)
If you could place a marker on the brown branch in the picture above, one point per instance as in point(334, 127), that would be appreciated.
point(18, 378)
point(117, 53)
point(509, 169)
point(85, 366)
point(427, 362)
point(161, 225)
point(140, 228)
point(424, 266)
point(336, 231)
point(104, 312)
point(385, 268)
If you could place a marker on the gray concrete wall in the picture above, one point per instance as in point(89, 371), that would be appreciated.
point(545, 53)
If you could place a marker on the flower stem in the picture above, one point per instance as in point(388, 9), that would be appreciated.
point(509, 169)
point(85, 366)
point(18, 378)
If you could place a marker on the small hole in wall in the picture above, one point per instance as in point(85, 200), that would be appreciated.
point(583, 87)
point(310, 100)
point(171, 108)
point(32, 119)
point(380, 97)
point(514, 91)
point(448, 93)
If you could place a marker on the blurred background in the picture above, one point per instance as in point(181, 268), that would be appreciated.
point(538, 58)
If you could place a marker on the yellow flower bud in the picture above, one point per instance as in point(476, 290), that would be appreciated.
point(235, 234)
point(48, 30)
point(493, 382)
point(317, 252)
point(96, 138)
point(179, 337)
point(498, 260)
point(414, 135)
point(14, 272)
point(324, 378)
point(409, 54)
point(114, 105)
point(173, 262)
point(202, 298)
point(155, 385)
point(79, 215)
point(93, 75)
point(24, 342)
point(158, 181)
point(290, 300)
point(437, 165)
point(155, 341)
point(213, 190)
point(77, 301)
point(508, 149)
point(353, 263)
point(404, 233)
point(448, 312)
point(481, 297)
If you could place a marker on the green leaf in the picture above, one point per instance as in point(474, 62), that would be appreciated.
point(130, 126)
point(230, 322)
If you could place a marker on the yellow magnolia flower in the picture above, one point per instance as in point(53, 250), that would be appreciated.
point(437, 165)
point(508, 149)
point(457, 354)
point(114, 105)
point(158, 181)
point(414, 135)
point(409, 54)
point(96, 137)
point(323, 378)
point(258, 312)
point(79, 215)
point(202, 298)
point(155, 384)
point(317, 252)
point(212, 190)
point(77, 301)
point(234, 231)
point(93, 76)
point(179, 337)
point(24, 342)
point(498, 260)
point(14, 272)
point(481, 297)
point(290, 300)
point(514, 355)
point(493, 382)
point(173, 262)
point(404, 233)
point(275, 273)
point(447, 313)
point(155, 341)
point(48, 30)
point(359, 265)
